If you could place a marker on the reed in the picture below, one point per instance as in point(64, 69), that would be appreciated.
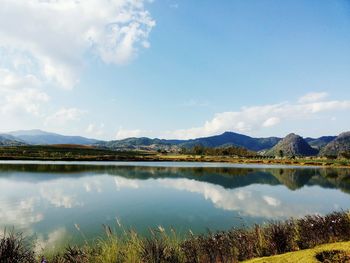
point(161, 246)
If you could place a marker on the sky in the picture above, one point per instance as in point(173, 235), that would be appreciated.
point(111, 69)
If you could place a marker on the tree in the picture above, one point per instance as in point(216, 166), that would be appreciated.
point(280, 153)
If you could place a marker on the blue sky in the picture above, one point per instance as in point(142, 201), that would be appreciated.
point(175, 69)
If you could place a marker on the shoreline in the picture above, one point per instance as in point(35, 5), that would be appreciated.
point(326, 163)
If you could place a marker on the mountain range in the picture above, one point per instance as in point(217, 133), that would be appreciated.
point(39, 137)
point(225, 139)
point(291, 145)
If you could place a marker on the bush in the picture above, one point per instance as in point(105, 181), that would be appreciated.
point(280, 237)
point(14, 248)
point(316, 230)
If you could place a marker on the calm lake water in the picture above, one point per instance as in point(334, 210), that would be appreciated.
point(48, 199)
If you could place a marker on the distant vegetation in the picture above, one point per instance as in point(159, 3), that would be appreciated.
point(219, 151)
point(234, 245)
point(67, 152)
point(223, 140)
point(229, 154)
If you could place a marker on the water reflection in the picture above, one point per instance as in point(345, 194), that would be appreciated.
point(50, 199)
point(228, 177)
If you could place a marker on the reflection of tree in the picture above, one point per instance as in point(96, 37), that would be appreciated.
point(335, 178)
point(228, 177)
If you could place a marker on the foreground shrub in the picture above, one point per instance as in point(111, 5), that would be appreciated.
point(338, 256)
point(280, 237)
point(14, 248)
point(316, 230)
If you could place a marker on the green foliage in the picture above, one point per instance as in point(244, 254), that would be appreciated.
point(67, 152)
point(219, 151)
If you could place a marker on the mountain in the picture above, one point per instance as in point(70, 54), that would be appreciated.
point(225, 139)
point(319, 143)
point(339, 146)
point(234, 139)
point(142, 143)
point(8, 140)
point(38, 137)
point(292, 145)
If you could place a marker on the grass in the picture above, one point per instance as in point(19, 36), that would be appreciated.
point(68, 152)
point(237, 244)
point(305, 256)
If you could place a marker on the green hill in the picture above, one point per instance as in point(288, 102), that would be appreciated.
point(292, 145)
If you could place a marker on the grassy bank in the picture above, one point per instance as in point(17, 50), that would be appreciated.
point(229, 246)
point(89, 153)
point(335, 252)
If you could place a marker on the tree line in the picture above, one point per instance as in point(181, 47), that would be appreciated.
point(218, 151)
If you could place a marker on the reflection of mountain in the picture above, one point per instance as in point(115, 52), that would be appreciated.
point(227, 177)
point(293, 178)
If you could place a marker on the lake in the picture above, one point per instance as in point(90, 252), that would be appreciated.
point(52, 199)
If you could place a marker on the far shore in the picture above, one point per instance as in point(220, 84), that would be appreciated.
point(93, 154)
point(315, 162)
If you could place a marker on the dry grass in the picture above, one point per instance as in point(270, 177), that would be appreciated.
point(226, 246)
point(305, 256)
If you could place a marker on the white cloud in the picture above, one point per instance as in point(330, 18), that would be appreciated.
point(271, 200)
point(255, 118)
point(93, 185)
point(53, 240)
point(56, 35)
point(249, 200)
point(271, 122)
point(313, 96)
point(252, 119)
point(20, 94)
point(26, 99)
point(20, 213)
point(57, 198)
point(95, 130)
point(123, 133)
point(64, 115)
point(122, 183)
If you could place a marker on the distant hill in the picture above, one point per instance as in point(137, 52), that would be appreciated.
point(292, 145)
point(234, 139)
point(142, 143)
point(38, 137)
point(339, 146)
point(8, 140)
point(319, 143)
point(225, 139)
